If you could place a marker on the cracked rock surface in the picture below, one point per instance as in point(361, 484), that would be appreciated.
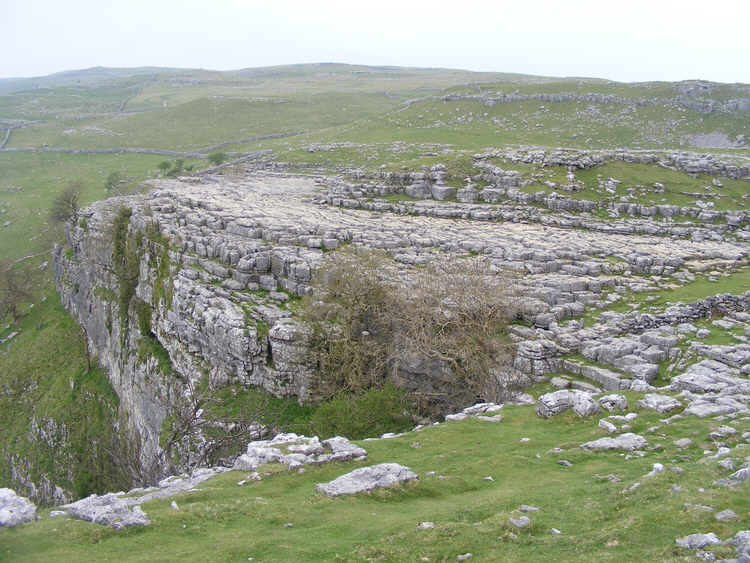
point(367, 479)
point(295, 451)
point(14, 509)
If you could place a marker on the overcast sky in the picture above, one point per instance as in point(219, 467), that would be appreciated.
point(623, 40)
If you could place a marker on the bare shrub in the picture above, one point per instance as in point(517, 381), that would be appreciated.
point(208, 426)
point(352, 320)
point(437, 331)
point(66, 205)
point(15, 290)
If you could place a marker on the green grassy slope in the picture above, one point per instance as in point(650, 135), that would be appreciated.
point(599, 522)
point(55, 415)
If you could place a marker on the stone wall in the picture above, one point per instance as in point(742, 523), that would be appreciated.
point(700, 105)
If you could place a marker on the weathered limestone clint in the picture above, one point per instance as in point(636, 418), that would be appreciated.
point(203, 266)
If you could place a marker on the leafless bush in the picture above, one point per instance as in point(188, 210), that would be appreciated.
point(206, 427)
point(15, 290)
point(67, 204)
point(352, 320)
point(438, 331)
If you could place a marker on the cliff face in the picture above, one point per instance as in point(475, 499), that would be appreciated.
point(163, 320)
point(196, 282)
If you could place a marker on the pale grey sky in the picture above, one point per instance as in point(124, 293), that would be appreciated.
point(623, 40)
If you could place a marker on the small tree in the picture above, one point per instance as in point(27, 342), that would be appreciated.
point(67, 204)
point(177, 168)
point(164, 166)
point(196, 433)
point(437, 331)
point(217, 157)
point(15, 285)
point(113, 180)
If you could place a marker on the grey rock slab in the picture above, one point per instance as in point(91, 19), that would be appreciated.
point(295, 450)
point(586, 387)
point(741, 538)
point(367, 479)
point(698, 541)
point(741, 475)
point(727, 514)
point(704, 409)
point(14, 509)
point(698, 507)
point(610, 380)
point(170, 486)
point(608, 426)
point(641, 386)
point(108, 510)
point(722, 432)
point(659, 403)
point(726, 464)
point(613, 402)
point(708, 376)
point(683, 443)
point(493, 418)
point(443, 192)
point(656, 468)
point(482, 408)
point(520, 522)
point(560, 382)
point(584, 405)
point(551, 404)
point(627, 442)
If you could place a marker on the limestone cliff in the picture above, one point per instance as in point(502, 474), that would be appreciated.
point(162, 315)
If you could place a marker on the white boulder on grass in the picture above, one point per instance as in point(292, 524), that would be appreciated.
point(14, 509)
point(367, 479)
point(628, 442)
point(551, 404)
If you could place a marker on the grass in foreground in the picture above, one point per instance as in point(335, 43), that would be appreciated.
point(599, 522)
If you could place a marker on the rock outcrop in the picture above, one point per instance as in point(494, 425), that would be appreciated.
point(627, 442)
point(295, 451)
point(15, 510)
point(367, 479)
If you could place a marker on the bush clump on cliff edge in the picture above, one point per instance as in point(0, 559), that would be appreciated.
point(437, 331)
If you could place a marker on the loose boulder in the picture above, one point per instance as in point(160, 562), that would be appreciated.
point(294, 451)
point(698, 541)
point(367, 479)
point(15, 510)
point(551, 404)
point(659, 403)
point(520, 522)
point(108, 510)
point(613, 402)
point(628, 442)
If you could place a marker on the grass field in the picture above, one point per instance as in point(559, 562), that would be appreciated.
point(54, 413)
point(41, 176)
point(281, 518)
